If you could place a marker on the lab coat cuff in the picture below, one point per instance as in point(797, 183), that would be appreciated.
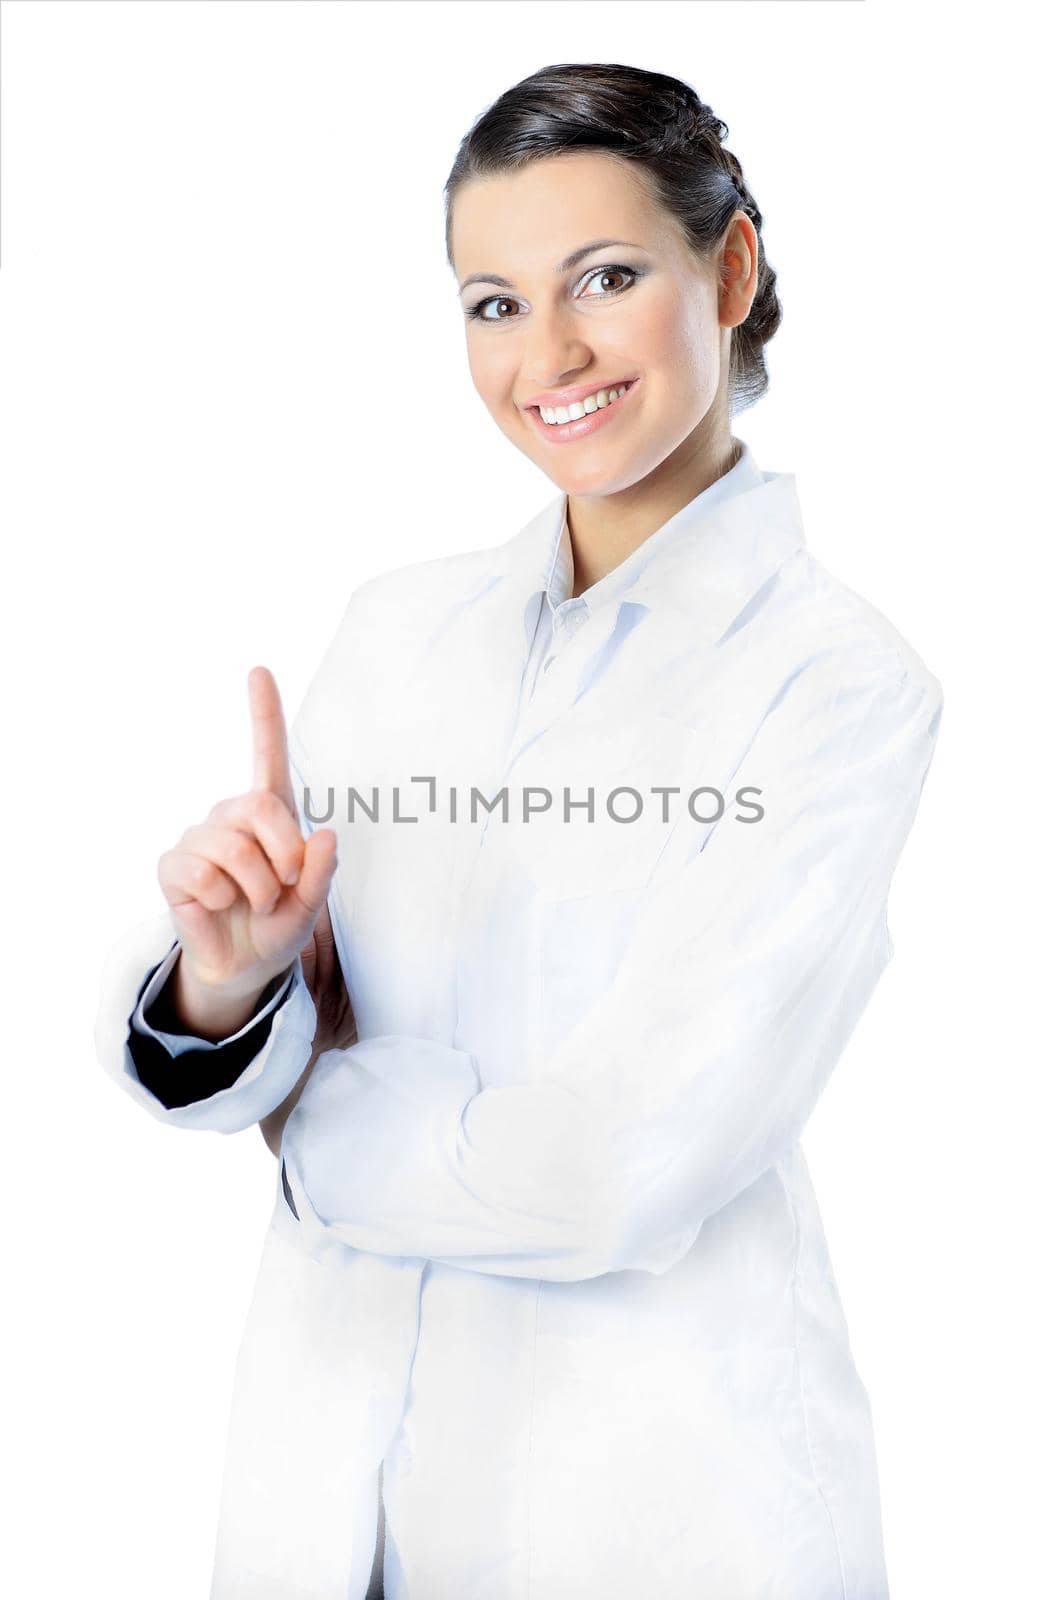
point(176, 1044)
point(265, 1082)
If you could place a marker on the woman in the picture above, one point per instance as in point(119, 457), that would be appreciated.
point(545, 1263)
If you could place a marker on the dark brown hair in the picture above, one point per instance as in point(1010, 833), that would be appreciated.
point(659, 123)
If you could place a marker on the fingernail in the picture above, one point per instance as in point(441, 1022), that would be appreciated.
point(292, 876)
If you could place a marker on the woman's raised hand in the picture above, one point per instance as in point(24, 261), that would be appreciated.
point(244, 888)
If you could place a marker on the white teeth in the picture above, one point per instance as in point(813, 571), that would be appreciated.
point(581, 408)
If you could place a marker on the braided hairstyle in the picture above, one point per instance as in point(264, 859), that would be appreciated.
point(659, 123)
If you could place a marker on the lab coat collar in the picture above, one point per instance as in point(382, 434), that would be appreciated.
point(700, 567)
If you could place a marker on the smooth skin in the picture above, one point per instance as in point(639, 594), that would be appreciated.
point(670, 327)
point(248, 896)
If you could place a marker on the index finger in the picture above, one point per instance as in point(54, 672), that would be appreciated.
point(269, 729)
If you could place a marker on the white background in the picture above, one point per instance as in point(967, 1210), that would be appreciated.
point(234, 386)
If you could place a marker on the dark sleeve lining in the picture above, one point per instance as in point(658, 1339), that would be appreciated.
point(197, 1072)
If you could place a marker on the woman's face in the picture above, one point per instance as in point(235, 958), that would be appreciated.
point(645, 312)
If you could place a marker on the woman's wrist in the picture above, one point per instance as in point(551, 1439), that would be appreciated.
point(208, 1011)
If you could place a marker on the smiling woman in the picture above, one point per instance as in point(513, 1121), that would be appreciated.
point(545, 1310)
point(660, 312)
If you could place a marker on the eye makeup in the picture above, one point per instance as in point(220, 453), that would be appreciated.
point(476, 312)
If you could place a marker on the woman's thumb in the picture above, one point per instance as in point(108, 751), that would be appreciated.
point(318, 863)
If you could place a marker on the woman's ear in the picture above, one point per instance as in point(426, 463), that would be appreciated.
point(737, 271)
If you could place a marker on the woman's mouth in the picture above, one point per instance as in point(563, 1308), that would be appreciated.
point(584, 421)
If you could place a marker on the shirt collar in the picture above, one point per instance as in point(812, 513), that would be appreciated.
point(745, 474)
point(701, 565)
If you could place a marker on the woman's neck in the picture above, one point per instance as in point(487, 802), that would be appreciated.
point(606, 529)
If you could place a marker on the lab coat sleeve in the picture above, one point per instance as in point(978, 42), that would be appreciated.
point(696, 1070)
point(205, 1065)
point(225, 1085)
point(262, 1084)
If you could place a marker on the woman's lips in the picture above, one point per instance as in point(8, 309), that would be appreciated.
point(564, 432)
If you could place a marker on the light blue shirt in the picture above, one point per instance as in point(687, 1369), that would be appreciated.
point(561, 613)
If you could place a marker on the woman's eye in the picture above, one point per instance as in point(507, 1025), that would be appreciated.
point(612, 272)
point(481, 311)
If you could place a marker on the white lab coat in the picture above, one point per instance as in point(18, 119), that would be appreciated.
point(544, 1243)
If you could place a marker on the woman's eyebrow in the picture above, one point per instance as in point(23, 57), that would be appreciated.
point(564, 265)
